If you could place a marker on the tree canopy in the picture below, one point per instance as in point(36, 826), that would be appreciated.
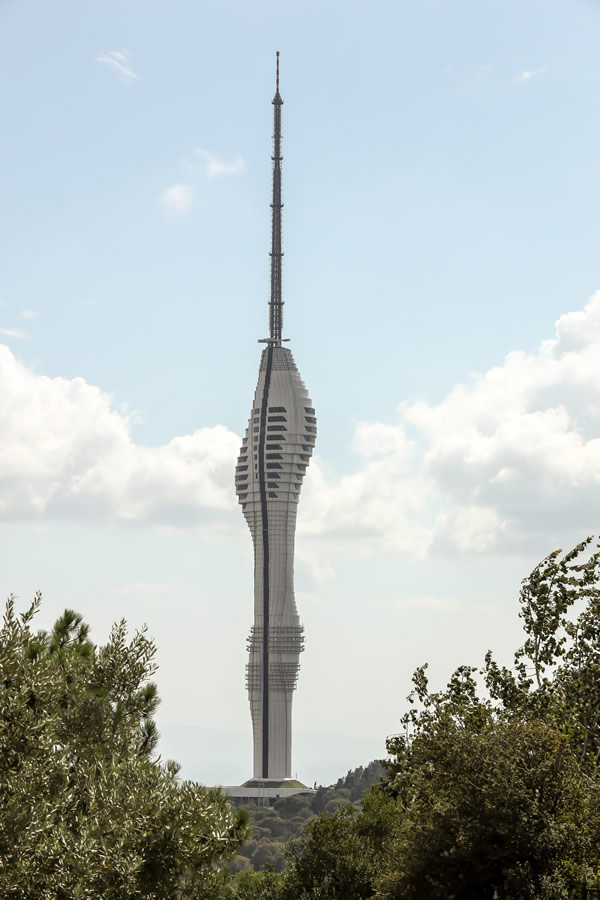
point(86, 808)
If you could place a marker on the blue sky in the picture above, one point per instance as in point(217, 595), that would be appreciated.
point(441, 186)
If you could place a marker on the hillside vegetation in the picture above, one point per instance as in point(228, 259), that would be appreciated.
point(274, 824)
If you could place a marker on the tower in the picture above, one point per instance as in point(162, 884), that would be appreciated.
point(275, 452)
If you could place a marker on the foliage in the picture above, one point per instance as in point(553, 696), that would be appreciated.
point(504, 804)
point(330, 860)
point(502, 791)
point(356, 781)
point(258, 886)
point(85, 808)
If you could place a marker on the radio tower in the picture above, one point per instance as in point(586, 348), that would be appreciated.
point(275, 452)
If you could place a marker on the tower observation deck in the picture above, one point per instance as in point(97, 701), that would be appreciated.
point(275, 453)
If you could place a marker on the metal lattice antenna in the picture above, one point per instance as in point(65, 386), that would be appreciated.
point(276, 301)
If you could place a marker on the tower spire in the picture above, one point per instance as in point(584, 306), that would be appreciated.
point(276, 301)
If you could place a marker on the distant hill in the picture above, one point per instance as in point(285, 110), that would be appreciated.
point(279, 821)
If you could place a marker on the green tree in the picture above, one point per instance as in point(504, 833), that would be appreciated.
point(504, 804)
point(503, 790)
point(86, 810)
point(258, 886)
point(332, 860)
point(556, 673)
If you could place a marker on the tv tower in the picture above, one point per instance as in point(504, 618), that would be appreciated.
point(275, 452)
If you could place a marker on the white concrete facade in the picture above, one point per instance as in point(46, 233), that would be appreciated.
point(275, 452)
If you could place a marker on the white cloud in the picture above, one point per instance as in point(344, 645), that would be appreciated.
point(177, 198)
point(28, 314)
point(528, 74)
point(13, 333)
point(67, 452)
point(517, 451)
point(119, 63)
point(213, 165)
point(381, 505)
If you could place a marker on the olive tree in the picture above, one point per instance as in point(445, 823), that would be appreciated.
point(87, 810)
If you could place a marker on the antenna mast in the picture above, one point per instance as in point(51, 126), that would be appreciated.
point(276, 301)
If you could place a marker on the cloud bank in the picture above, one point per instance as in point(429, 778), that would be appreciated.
point(67, 452)
point(511, 455)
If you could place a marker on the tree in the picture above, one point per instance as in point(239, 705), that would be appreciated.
point(556, 673)
point(86, 809)
point(501, 804)
point(258, 886)
point(502, 791)
point(331, 860)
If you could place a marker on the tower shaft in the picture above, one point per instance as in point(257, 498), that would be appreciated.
point(270, 469)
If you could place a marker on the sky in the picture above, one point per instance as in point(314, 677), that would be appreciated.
point(441, 182)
